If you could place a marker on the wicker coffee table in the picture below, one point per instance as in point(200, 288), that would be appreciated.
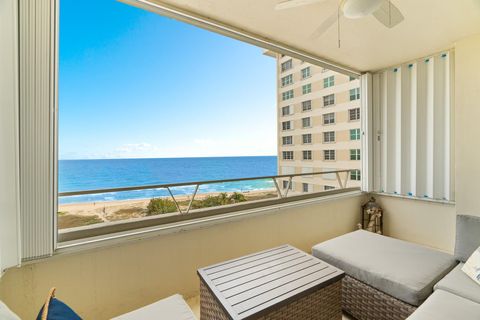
point(280, 283)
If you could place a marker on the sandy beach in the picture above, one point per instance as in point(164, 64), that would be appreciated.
point(77, 214)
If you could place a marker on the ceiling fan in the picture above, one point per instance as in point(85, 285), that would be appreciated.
point(383, 10)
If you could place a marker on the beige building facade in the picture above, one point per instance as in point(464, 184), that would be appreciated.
point(318, 116)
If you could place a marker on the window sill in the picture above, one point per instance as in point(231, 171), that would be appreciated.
point(401, 196)
point(187, 225)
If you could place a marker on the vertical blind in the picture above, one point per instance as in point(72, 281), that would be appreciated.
point(412, 110)
point(36, 125)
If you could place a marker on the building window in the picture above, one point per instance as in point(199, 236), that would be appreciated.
point(287, 155)
point(355, 175)
point(329, 82)
point(287, 80)
point(307, 154)
point(307, 138)
point(287, 140)
point(286, 184)
point(306, 73)
point(354, 134)
point(329, 100)
point(307, 88)
point(307, 105)
point(306, 122)
point(354, 154)
point(328, 154)
point(285, 111)
point(352, 78)
point(326, 188)
point(354, 114)
point(305, 187)
point(329, 118)
point(329, 136)
point(287, 65)
point(287, 95)
point(286, 125)
point(354, 94)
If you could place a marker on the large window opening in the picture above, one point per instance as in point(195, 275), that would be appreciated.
point(161, 121)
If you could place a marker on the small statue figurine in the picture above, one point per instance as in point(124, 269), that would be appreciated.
point(371, 217)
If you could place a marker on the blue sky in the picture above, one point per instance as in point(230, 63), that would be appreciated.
point(133, 84)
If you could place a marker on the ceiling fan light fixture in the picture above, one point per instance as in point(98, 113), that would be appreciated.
point(355, 9)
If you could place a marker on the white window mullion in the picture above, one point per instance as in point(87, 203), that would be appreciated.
point(384, 131)
point(376, 134)
point(421, 128)
point(397, 76)
point(413, 129)
point(430, 129)
point(390, 130)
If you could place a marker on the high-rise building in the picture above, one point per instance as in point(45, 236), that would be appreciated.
point(318, 125)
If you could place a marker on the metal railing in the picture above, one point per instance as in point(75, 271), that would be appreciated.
point(281, 195)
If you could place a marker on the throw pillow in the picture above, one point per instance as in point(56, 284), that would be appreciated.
point(472, 266)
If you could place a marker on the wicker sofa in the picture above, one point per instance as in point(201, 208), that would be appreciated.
point(388, 279)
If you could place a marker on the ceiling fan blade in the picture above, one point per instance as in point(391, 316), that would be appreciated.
point(388, 14)
point(294, 3)
point(326, 24)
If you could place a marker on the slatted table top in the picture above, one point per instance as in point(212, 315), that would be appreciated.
point(254, 285)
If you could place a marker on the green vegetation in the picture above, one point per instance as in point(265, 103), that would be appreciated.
point(220, 200)
point(160, 206)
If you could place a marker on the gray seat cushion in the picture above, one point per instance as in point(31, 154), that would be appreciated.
point(401, 269)
point(457, 282)
point(442, 305)
point(171, 308)
point(467, 236)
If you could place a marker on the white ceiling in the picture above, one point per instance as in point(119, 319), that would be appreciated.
point(366, 45)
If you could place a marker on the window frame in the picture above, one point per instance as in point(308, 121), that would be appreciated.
point(191, 18)
point(305, 124)
point(324, 118)
point(328, 82)
point(286, 65)
point(355, 133)
point(306, 73)
point(309, 140)
point(287, 95)
point(355, 93)
point(287, 138)
point(286, 80)
point(329, 134)
point(357, 114)
point(307, 88)
point(286, 124)
point(307, 103)
point(329, 100)
point(288, 155)
point(355, 154)
point(307, 155)
point(329, 155)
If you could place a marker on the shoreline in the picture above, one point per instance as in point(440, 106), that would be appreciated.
point(178, 197)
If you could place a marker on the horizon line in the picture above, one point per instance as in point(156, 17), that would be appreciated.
point(191, 157)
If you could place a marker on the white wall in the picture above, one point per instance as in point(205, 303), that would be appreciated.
point(467, 124)
point(105, 282)
point(8, 134)
point(423, 222)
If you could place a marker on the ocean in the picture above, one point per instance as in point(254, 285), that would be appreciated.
point(78, 175)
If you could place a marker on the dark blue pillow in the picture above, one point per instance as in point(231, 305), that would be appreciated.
point(57, 310)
